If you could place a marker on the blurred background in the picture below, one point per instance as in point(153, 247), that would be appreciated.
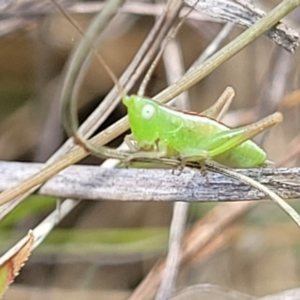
point(103, 250)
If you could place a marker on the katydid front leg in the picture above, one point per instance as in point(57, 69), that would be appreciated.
point(221, 142)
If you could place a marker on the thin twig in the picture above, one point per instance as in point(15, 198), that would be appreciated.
point(94, 183)
point(174, 251)
point(174, 65)
point(214, 44)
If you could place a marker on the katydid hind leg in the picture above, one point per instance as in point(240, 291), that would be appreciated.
point(221, 106)
point(227, 140)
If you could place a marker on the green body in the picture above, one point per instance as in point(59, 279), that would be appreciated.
point(187, 134)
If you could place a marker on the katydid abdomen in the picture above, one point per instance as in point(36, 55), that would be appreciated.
point(194, 136)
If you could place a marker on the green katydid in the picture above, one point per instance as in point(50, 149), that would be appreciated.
point(195, 137)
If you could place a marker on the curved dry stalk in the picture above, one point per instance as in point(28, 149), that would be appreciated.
point(274, 197)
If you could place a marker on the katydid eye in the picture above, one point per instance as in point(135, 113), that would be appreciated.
point(148, 111)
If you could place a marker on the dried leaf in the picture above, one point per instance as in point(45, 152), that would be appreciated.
point(13, 262)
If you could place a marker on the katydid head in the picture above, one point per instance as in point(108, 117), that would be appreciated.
point(143, 119)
